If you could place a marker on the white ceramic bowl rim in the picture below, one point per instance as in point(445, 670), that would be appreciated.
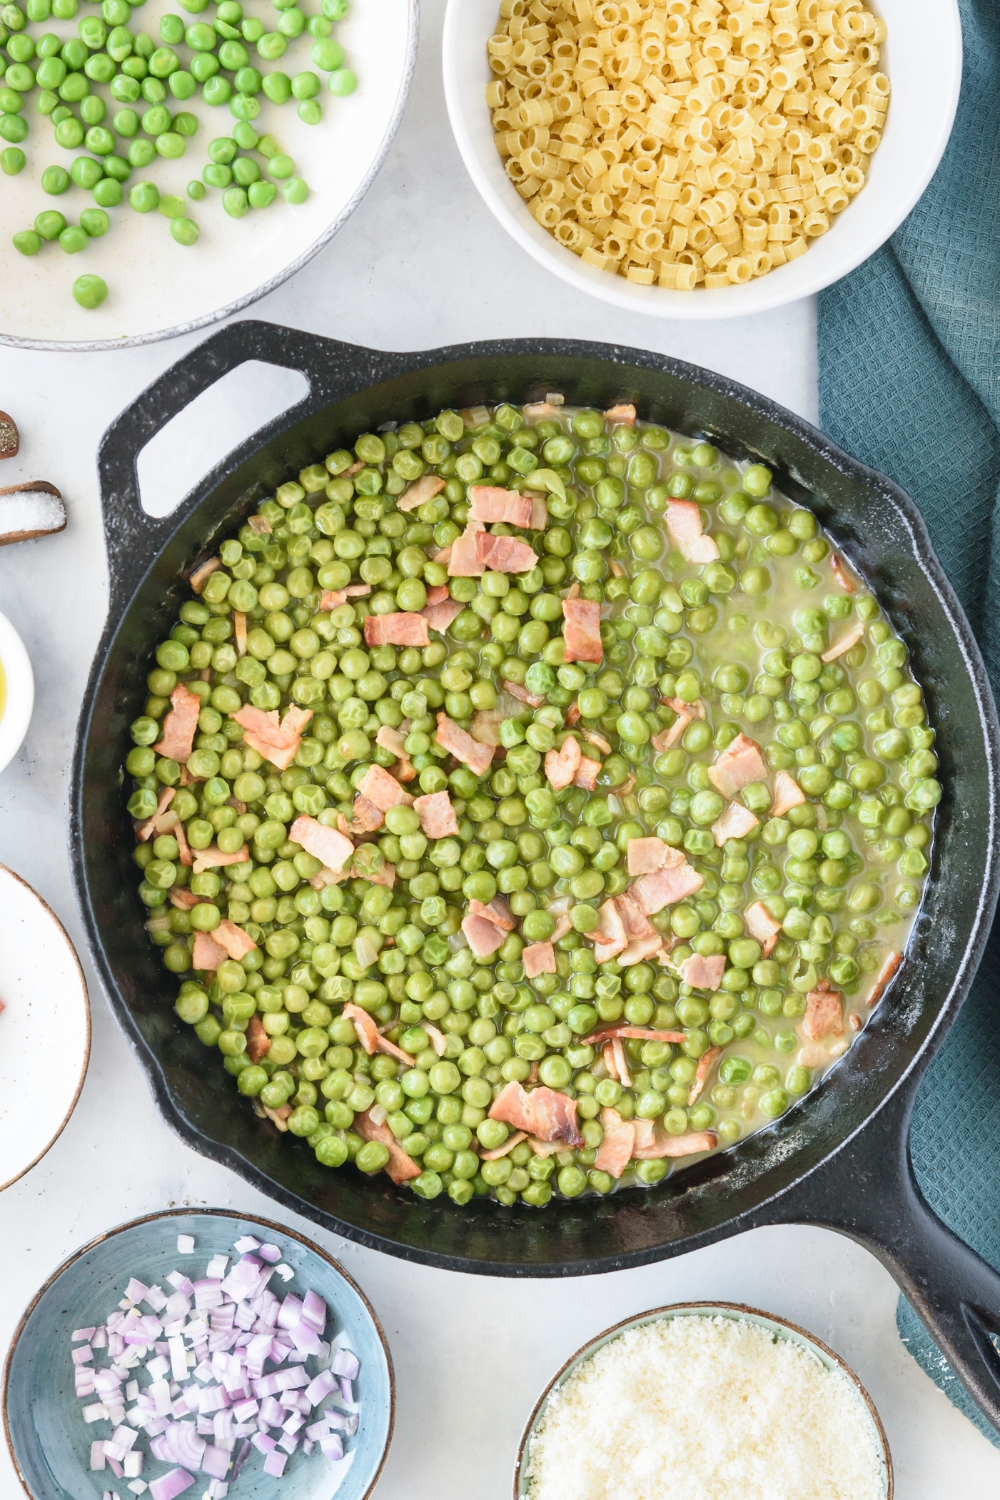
point(738, 1312)
point(916, 134)
point(20, 681)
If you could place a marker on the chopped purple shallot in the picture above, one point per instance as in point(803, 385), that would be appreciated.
point(228, 1372)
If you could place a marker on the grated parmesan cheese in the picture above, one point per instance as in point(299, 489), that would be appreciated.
point(704, 1408)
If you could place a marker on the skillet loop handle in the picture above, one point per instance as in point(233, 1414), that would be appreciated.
point(132, 537)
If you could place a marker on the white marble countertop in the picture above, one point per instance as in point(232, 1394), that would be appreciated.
point(421, 264)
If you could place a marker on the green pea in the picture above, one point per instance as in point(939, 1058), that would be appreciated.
point(90, 291)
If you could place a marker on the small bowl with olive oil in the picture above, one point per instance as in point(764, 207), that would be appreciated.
point(17, 692)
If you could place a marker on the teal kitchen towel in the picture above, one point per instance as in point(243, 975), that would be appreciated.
point(909, 376)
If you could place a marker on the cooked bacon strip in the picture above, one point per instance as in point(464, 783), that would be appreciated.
point(145, 831)
point(677, 1145)
point(441, 614)
point(734, 822)
point(705, 1065)
point(182, 898)
point(561, 765)
point(539, 513)
point(885, 974)
point(400, 1167)
point(483, 933)
point(200, 576)
point(370, 1037)
point(640, 949)
point(623, 413)
point(325, 877)
point(279, 1116)
point(703, 973)
point(615, 1150)
point(235, 941)
point(515, 690)
point(258, 1041)
point(608, 1055)
point(333, 599)
point(843, 578)
point(667, 738)
point(582, 630)
point(212, 857)
point(609, 937)
point(637, 924)
point(592, 737)
point(586, 774)
point(382, 789)
point(544, 1113)
point(762, 926)
point(634, 1033)
point(562, 927)
point(463, 559)
point(180, 724)
point(365, 818)
point(385, 876)
point(508, 1146)
point(539, 958)
point(684, 525)
point(420, 491)
point(737, 766)
point(437, 816)
point(392, 740)
point(436, 1038)
point(850, 638)
point(667, 886)
point(823, 1015)
point(240, 630)
point(536, 410)
point(489, 503)
point(278, 743)
point(404, 628)
point(260, 525)
point(207, 954)
point(621, 1062)
point(503, 554)
point(644, 856)
point(325, 844)
point(787, 794)
point(451, 736)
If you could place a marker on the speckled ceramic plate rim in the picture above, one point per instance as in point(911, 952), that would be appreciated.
point(60, 929)
point(15, 714)
point(736, 1311)
point(132, 340)
point(209, 1213)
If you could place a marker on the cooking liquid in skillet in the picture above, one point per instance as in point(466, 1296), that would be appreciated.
point(710, 650)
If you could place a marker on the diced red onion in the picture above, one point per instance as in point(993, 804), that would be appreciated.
point(96, 1457)
point(215, 1462)
point(345, 1363)
point(346, 1391)
point(314, 1310)
point(262, 1442)
point(274, 1464)
point(82, 1334)
point(332, 1446)
point(171, 1485)
point(246, 1244)
point(270, 1253)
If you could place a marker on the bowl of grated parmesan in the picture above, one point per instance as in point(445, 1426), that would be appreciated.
point(707, 1399)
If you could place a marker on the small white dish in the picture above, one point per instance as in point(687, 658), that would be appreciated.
point(17, 692)
point(924, 43)
point(44, 1028)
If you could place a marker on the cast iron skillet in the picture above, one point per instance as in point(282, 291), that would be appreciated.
point(840, 1157)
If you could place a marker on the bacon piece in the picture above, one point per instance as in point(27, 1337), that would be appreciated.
point(611, 1062)
point(442, 613)
point(212, 857)
point(850, 638)
point(573, 717)
point(240, 629)
point(593, 738)
point(677, 1145)
point(504, 1150)
point(483, 934)
point(544, 1113)
point(582, 630)
point(703, 973)
point(586, 774)
point(201, 575)
point(400, 1167)
point(737, 766)
point(561, 765)
point(235, 941)
point(437, 816)
point(539, 958)
point(443, 557)
point(667, 738)
point(533, 700)
point(705, 1065)
point(787, 794)
point(437, 1038)
point(404, 628)
point(370, 1037)
point(623, 413)
point(536, 410)
point(640, 949)
point(647, 855)
point(823, 1014)
point(279, 1116)
point(325, 844)
point(180, 724)
point(382, 789)
point(843, 578)
point(503, 554)
point(665, 887)
point(637, 924)
point(420, 491)
point(207, 954)
point(762, 926)
point(609, 938)
point(633, 1033)
point(260, 525)
point(278, 743)
point(182, 898)
point(325, 877)
point(562, 927)
point(489, 504)
point(258, 1041)
point(735, 822)
point(615, 1150)
point(365, 818)
point(885, 974)
point(392, 740)
point(385, 876)
point(145, 831)
point(464, 560)
point(335, 598)
point(539, 513)
point(452, 737)
point(684, 525)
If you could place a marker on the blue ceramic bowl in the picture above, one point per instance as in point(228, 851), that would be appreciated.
point(49, 1441)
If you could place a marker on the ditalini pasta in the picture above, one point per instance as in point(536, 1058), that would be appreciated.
point(696, 143)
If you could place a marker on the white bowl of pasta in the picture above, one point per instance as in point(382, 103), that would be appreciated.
point(782, 161)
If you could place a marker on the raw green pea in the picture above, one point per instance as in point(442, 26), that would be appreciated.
point(144, 197)
point(277, 86)
point(327, 55)
point(73, 240)
point(244, 135)
point(171, 145)
point(13, 128)
point(309, 112)
point(117, 168)
point(27, 242)
point(235, 202)
point(196, 190)
point(244, 107)
point(50, 225)
point(141, 154)
point(12, 161)
point(261, 194)
point(272, 45)
point(90, 291)
point(56, 180)
point(216, 90)
point(86, 172)
point(342, 82)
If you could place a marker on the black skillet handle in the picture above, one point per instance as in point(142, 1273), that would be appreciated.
point(133, 538)
point(868, 1192)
